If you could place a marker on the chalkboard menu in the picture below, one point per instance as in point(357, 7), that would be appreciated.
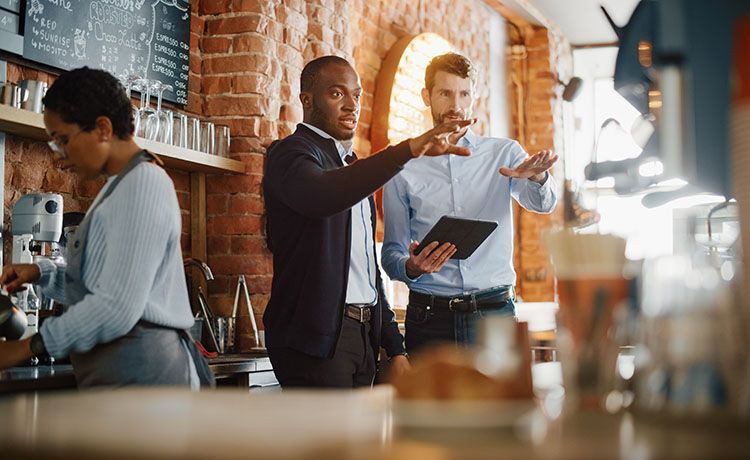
point(148, 38)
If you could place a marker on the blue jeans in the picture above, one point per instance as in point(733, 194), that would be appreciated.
point(429, 325)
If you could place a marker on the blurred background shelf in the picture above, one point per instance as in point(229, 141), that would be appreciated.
point(30, 125)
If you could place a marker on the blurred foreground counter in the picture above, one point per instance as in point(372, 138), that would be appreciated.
point(364, 424)
point(246, 370)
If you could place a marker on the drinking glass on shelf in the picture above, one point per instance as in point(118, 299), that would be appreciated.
point(194, 134)
point(148, 122)
point(222, 140)
point(128, 80)
point(164, 125)
point(138, 84)
point(207, 138)
point(180, 130)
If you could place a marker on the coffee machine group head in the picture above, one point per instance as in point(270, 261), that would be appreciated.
point(36, 225)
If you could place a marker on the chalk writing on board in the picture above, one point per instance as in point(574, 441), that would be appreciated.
point(148, 38)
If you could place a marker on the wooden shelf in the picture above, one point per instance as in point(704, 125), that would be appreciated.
point(29, 124)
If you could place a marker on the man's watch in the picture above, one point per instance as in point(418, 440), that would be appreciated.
point(403, 353)
point(37, 346)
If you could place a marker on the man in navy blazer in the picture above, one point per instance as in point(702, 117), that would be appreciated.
point(328, 315)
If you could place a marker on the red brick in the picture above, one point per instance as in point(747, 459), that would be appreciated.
point(291, 18)
point(181, 180)
point(59, 181)
point(235, 225)
point(235, 105)
point(218, 244)
point(216, 44)
point(253, 6)
point(183, 200)
point(260, 284)
point(197, 24)
point(243, 204)
point(216, 84)
point(248, 245)
point(215, 6)
point(246, 144)
point(254, 83)
point(268, 128)
point(237, 24)
point(247, 264)
point(294, 38)
point(27, 175)
point(253, 43)
point(233, 184)
point(254, 162)
point(217, 204)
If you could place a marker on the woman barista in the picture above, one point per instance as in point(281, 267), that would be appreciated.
point(124, 279)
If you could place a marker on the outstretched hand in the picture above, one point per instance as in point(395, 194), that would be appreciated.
point(436, 141)
point(532, 168)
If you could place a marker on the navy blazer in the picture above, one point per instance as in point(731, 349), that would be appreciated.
point(309, 195)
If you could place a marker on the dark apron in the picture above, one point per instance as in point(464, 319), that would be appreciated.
point(149, 354)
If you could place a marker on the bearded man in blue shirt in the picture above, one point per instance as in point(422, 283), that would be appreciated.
point(447, 296)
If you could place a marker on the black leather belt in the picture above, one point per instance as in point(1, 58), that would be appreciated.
point(491, 298)
point(360, 312)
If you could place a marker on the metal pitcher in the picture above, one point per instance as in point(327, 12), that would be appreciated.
point(36, 91)
point(13, 95)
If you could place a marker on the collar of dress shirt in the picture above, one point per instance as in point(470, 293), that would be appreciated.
point(470, 138)
point(344, 147)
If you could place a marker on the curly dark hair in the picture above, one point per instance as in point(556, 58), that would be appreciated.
point(453, 63)
point(82, 95)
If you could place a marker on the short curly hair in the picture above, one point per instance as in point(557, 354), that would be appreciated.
point(82, 95)
point(453, 63)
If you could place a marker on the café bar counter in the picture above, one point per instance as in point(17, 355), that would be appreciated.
point(363, 424)
point(247, 370)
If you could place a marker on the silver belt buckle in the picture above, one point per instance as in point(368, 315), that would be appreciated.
point(452, 301)
point(361, 314)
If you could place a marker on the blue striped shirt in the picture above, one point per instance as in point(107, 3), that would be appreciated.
point(132, 267)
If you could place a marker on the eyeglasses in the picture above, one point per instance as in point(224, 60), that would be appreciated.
point(59, 148)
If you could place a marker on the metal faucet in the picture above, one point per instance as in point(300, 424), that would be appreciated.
point(208, 275)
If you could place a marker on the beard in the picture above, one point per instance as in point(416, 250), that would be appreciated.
point(320, 119)
point(440, 118)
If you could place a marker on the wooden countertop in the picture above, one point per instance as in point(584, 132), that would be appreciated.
point(170, 423)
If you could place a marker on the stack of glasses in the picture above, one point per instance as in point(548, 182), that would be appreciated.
point(169, 127)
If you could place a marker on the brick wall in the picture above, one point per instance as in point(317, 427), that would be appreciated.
point(536, 59)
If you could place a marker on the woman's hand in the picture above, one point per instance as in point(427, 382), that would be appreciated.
point(16, 275)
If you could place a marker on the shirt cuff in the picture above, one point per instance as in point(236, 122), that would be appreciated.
point(47, 270)
point(544, 183)
point(54, 349)
point(402, 271)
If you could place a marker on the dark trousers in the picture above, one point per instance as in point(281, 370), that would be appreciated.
point(426, 326)
point(352, 365)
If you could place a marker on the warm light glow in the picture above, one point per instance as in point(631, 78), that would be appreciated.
point(408, 115)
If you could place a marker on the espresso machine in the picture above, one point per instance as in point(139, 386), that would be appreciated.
point(36, 224)
point(674, 65)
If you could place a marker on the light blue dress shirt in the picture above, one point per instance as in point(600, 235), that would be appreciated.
point(466, 187)
point(361, 284)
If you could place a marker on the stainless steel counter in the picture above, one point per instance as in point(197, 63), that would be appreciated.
point(247, 370)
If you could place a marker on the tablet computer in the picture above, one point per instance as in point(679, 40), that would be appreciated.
point(466, 234)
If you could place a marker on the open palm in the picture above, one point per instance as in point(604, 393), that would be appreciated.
point(533, 167)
